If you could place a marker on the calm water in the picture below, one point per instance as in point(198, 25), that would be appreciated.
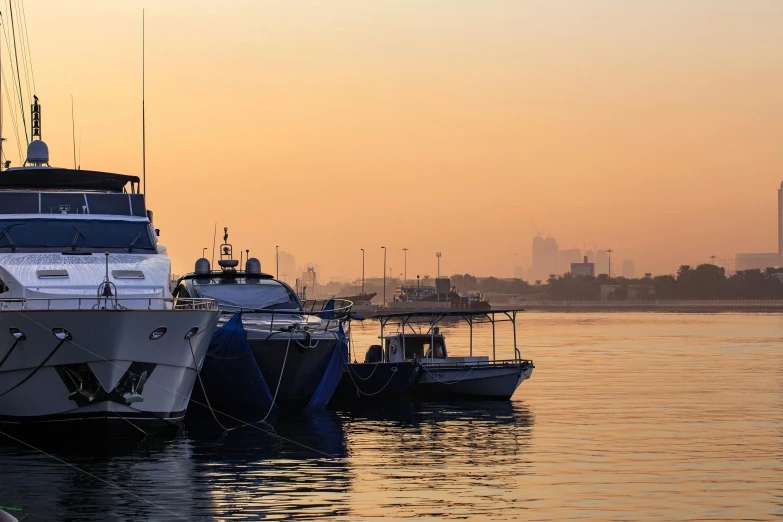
point(627, 416)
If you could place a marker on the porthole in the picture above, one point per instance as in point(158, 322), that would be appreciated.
point(157, 333)
point(62, 334)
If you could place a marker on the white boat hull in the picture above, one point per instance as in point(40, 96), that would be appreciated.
point(480, 381)
point(95, 380)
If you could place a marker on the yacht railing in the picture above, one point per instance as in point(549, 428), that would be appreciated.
point(314, 314)
point(92, 303)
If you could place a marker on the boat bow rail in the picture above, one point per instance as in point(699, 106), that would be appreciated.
point(315, 315)
point(124, 303)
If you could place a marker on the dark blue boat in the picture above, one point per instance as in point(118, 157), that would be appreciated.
point(372, 381)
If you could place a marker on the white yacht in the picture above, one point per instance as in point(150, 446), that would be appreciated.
point(91, 339)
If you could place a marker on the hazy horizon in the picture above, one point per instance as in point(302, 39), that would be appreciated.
point(460, 127)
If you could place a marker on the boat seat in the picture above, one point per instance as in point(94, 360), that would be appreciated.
point(374, 354)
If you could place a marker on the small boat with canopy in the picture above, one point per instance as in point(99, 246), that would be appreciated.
point(417, 337)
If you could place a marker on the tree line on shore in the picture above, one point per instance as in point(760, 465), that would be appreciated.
point(705, 281)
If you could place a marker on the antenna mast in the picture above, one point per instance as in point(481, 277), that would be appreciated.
point(1, 99)
point(143, 130)
point(73, 134)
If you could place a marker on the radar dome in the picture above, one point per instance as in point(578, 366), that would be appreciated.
point(253, 266)
point(37, 153)
point(202, 266)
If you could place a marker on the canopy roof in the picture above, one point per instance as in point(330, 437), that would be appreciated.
point(39, 178)
point(433, 317)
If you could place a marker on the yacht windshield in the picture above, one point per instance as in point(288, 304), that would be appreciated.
point(262, 294)
point(68, 234)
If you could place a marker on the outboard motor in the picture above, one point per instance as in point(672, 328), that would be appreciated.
point(374, 354)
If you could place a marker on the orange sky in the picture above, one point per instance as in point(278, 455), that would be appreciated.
point(651, 128)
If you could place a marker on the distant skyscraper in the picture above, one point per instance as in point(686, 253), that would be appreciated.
point(590, 256)
point(544, 261)
point(567, 257)
point(628, 270)
point(287, 267)
point(519, 272)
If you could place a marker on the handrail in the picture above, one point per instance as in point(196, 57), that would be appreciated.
point(314, 309)
point(489, 362)
point(88, 303)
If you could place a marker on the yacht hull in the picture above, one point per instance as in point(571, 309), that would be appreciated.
point(484, 382)
point(109, 380)
point(302, 369)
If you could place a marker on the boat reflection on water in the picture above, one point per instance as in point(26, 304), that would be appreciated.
point(415, 463)
point(306, 435)
point(296, 469)
point(317, 464)
point(151, 480)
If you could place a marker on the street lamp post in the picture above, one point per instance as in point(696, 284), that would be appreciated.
point(610, 262)
point(713, 258)
point(277, 262)
point(437, 254)
point(406, 265)
point(384, 276)
point(362, 274)
point(204, 252)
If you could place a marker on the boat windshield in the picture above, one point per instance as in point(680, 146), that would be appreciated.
point(261, 294)
point(421, 347)
point(76, 234)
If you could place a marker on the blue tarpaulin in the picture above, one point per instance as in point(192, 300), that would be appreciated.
point(332, 374)
point(328, 310)
point(232, 379)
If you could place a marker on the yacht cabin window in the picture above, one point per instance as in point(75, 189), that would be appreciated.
point(247, 293)
point(77, 235)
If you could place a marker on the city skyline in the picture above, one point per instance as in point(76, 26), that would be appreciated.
point(542, 119)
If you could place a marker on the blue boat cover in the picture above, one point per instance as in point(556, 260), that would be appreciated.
point(332, 374)
point(231, 376)
point(328, 310)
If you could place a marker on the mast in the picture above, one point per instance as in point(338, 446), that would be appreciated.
point(143, 130)
point(1, 99)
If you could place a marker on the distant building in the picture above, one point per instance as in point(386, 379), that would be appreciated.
point(544, 260)
point(760, 261)
point(308, 282)
point(765, 260)
point(519, 272)
point(583, 269)
point(568, 257)
point(287, 266)
point(628, 269)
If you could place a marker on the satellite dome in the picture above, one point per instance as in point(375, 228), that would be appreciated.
point(202, 266)
point(37, 153)
point(253, 266)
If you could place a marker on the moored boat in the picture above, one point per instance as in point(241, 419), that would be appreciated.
point(91, 340)
point(446, 376)
point(270, 350)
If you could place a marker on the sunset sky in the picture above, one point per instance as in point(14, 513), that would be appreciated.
point(652, 128)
